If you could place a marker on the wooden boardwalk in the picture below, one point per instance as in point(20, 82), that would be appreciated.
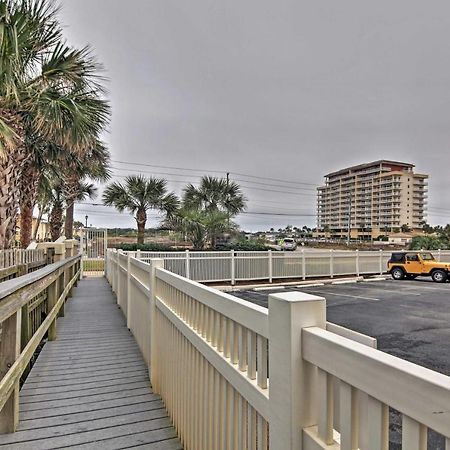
point(90, 389)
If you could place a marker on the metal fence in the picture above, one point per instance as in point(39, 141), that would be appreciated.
point(234, 266)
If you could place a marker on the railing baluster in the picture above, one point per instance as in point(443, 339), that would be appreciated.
point(348, 417)
point(378, 424)
point(262, 362)
point(252, 428)
point(242, 350)
point(414, 434)
point(251, 346)
point(325, 389)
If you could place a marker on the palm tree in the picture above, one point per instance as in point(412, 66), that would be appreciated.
point(138, 195)
point(199, 226)
point(214, 200)
point(56, 218)
point(215, 194)
point(48, 92)
point(92, 165)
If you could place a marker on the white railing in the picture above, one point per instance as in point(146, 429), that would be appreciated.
point(234, 266)
point(234, 375)
point(14, 257)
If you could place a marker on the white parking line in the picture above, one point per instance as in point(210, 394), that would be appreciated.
point(347, 295)
point(269, 288)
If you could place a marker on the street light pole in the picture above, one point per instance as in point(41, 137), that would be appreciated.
point(86, 217)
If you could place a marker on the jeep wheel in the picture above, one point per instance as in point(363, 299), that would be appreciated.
point(439, 276)
point(397, 273)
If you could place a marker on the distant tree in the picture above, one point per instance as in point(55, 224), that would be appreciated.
point(428, 229)
point(429, 242)
point(200, 227)
point(138, 195)
point(405, 228)
point(215, 195)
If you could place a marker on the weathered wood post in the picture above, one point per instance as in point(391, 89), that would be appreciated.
point(62, 279)
point(52, 298)
point(292, 380)
point(9, 352)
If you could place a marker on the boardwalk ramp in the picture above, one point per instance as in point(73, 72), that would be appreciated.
point(90, 388)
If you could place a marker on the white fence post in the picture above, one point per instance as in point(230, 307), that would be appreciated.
point(381, 261)
point(270, 266)
point(292, 380)
point(119, 252)
point(303, 265)
point(128, 289)
point(331, 263)
point(154, 264)
point(233, 269)
point(357, 262)
point(138, 253)
point(188, 266)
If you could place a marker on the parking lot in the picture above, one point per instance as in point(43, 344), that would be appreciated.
point(409, 318)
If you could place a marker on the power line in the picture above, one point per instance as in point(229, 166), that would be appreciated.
point(199, 176)
point(214, 171)
point(247, 187)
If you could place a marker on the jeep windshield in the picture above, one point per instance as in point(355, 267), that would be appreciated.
point(427, 257)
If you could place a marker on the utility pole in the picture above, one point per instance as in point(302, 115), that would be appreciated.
point(228, 209)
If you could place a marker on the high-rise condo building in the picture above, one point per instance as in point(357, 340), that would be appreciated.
point(372, 199)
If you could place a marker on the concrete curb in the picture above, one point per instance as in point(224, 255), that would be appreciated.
point(268, 287)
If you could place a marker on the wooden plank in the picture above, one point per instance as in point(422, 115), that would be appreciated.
point(87, 395)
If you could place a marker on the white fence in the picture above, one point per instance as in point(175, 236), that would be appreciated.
point(13, 257)
point(234, 375)
point(236, 266)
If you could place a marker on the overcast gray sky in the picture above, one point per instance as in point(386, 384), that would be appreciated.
point(289, 90)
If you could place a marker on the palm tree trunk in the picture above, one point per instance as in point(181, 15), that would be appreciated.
point(68, 224)
point(10, 175)
point(141, 220)
point(56, 221)
point(29, 182)
point(26, 224)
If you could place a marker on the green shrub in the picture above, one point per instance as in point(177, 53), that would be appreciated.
point(153, 247)
point(244, 246)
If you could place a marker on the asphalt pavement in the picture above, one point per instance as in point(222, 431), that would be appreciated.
point(409, 318)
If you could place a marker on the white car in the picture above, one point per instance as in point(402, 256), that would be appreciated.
point(288, 244)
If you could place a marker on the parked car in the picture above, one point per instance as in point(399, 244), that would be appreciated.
point(288, 244)
point(413, 264)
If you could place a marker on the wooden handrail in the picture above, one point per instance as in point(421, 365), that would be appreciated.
point(17, 292)
point(56, 282)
